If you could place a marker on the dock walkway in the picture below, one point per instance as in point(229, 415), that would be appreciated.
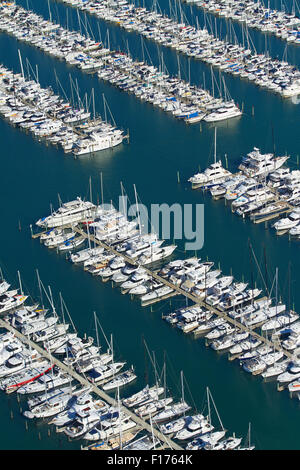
point(192, 297)
point(143, 425)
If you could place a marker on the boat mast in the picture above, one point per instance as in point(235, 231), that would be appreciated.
point(137, 208)
point(20, 283)
point(112, 347)
point(96, 326)
point(51, 301)
point(208, 405)
point(63, 304)
point(215, 154)
point(50, 15)
point(120, 422)
point(123, 201)
point(276, 288)
point(165, 374)
point(104, 105)
point(90, 184)
point(101, 187)
point(93, 98)
point(289, 281)
point(182, 387)
point(40, 288)
point(21, 64)
point(249, 438)
point(217, 413)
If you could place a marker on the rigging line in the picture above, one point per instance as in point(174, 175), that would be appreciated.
point(217, 413)
point(90, 28)
point(102, 331)
point(33, 73)
point(68, 313)
point(111, 115)
point(58, 83)
point(148, 53)
point(46, 293)
point(190, 393)
point(158, 377)
point(204, 403)
point(259, 268)
point(272, 286)
point(173, 373)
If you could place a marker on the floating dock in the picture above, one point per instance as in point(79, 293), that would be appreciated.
point(143, 425)
point(188, 295)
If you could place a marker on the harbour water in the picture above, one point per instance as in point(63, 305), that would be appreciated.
point(32, 175)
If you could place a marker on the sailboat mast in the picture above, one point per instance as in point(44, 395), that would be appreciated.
point(51, 301)
point(21, 64)
point(40, 288)
point(90, 183)
point(276, 289)
point(50, 15)
point(96, 326)
point(208, 405)
point(182, 387)
point(104, 105)
point(20, 283)
point(215, 154)
point(120, 427)
point(137, 208)
point(101, 184)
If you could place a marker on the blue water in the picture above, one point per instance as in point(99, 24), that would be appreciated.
point(32, 174)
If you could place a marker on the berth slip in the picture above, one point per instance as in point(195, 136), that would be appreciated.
point(61, 389)
point(226, 315)
point(263, 190)
point(47, 116)
point(240, 60)
point(283, 24)
point(148, 83)
point(232, 317)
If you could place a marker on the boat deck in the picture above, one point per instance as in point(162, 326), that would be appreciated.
point(190, 296)
point(143, 425)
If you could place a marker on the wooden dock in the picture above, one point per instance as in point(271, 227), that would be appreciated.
point(143, 425)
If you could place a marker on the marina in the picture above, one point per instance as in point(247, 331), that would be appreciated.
point(232, 304)
point(237, 313)
point(263, 190)
point(48, 117)
point(148, 83)
point(275, 75)
point(283, 24)
point(75, 411)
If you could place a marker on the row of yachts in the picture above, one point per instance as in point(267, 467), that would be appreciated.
point(263, 189)
point(24, 103)
point(51, 392)
point(273, 74)
point(147, 82)
point(254, 355)
point(231, 316)
point(126, 254)
point(256, 15)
